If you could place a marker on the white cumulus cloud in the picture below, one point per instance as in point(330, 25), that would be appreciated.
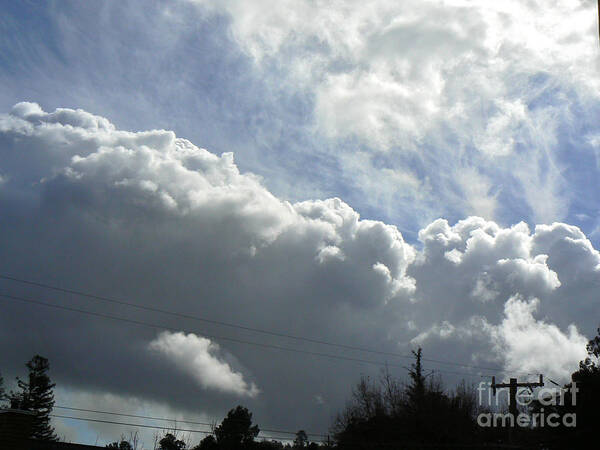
point(197, 357)
point(535, 346)
point(150, 217)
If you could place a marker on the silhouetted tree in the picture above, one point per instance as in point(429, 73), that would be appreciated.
point(587, 404)
point(301, 440)
point(37, 395)
point(365, 417)
point(416, 390)
point(419, 413)
point(208, 443)
point(123, 445)
point(236, 430)
point(394, 395)
point(170, 442)
point(269, 445)
point(577, 402)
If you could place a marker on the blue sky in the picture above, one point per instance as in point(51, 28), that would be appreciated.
point(190, 68)
point(421, 116)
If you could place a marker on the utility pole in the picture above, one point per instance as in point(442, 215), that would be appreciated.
point(513, 386)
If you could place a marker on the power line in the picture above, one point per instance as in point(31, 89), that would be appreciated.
point(130, 424)
point(112, 413)
point(242, 327)
point(172, 420)
point(161, 327)
point(113, 422)
point(240, 341)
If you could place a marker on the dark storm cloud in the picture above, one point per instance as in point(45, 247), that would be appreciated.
point(151, 218)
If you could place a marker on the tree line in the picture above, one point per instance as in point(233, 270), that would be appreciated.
point(387, 413)
point(236, 432)
point(381, 413)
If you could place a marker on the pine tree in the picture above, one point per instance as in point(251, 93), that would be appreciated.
point(37, 395)
point(416, 390)
point(236, 430)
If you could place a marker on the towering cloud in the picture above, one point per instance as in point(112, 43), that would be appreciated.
point(153, 219)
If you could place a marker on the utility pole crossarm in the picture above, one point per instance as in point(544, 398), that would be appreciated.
point(513, 387)
point(516, 384)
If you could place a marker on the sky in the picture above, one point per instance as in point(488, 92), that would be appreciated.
point(385, 176)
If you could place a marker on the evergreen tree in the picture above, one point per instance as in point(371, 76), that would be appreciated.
point(236, 430)
point(416, 390)
point(36, 395)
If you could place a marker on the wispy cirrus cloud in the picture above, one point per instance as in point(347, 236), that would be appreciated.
point(468, 97)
